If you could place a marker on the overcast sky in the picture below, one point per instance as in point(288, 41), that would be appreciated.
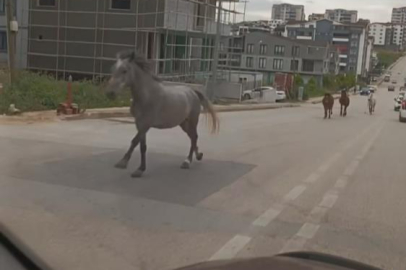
point(374, 10)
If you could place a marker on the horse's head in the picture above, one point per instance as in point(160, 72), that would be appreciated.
point(122, 74)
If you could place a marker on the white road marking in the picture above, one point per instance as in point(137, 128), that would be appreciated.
point(294, 193)
point(231, 248)
point(341, 182)
point(351, 168)
point(328, 200)
point(308, 230)
point(317, 214)
point(268, 216)
point(312, 178)
point(294, 244)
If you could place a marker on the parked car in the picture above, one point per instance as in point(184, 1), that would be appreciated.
point(391, 88)
point(365, 91)
point(394, 82)
point(402, 111)
point(280, 95)
point(255, 93)
point(398, 101)
point(372, 88)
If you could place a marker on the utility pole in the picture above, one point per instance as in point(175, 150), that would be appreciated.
point(211, 90)
point(10, 40)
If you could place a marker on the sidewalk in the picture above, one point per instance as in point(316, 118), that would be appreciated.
point(50, 116)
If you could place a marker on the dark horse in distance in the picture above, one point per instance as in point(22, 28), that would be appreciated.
point(328, 103)
point(344, 103)
point(155, 105)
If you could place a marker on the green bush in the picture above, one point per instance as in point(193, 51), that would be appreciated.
point(37, 92)
point(312, 90)
point(387, 58)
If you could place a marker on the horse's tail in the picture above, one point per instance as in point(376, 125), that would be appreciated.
point(208, 108)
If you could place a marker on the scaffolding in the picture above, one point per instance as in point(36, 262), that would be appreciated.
point(82, 38)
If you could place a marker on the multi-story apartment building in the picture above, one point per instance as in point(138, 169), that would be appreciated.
point(83, 37)
point(316, 16)
point(350, 39)
point(288, 12)
point(388, 35)
point(342, 15)
point(20, 8)
point(242, 28)
point(399, 15)
point(270, 54)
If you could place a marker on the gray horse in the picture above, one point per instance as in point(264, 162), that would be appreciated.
point(155, 105)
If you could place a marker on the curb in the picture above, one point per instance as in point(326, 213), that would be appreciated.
point(126, 113)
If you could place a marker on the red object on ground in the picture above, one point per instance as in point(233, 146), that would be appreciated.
point(68, 107)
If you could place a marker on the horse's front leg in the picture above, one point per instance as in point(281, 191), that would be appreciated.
point(341, 110)
point(325, 113)
point(122, 164)
point(345, 110)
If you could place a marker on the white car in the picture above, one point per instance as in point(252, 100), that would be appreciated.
point(280, 95)
point(372, 88)
point(398, 101)
point(402, 111)
point(255, 93)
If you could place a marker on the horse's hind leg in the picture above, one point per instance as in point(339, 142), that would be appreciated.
point(345, 110)
point(325, 113)
point(341, 110)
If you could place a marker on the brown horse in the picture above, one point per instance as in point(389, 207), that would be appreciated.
point(328, 103)
point(344, 102)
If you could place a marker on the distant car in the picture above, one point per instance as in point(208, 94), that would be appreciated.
point(255, 93)
point(398, 101)
point(394, 82)
point(402, 111)
point(374, 79)
point(280, 95)
point(365, 91)
point(372, 88)
point(391, 88)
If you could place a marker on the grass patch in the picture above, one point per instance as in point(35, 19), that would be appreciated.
point(38, 92)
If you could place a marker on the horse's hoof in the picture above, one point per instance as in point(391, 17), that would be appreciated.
point(122, 164)
point(137, 174)
point(185, 164)
point(199, 156)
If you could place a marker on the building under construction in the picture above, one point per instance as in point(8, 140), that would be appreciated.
point(82, 37)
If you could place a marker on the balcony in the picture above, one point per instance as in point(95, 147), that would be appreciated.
point(342, 64)
point(343, 56)
point(304, 37)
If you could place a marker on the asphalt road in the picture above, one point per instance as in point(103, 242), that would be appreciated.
point(271, 181)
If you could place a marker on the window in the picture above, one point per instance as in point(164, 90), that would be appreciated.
point(354, 36)
point(263, 49)
point(3, 41)
point(295, 51)
point(294, 65)
point(354, 44)
point(279, 50)
point(308, 65)
point(262, 62)
point(249, 62)
point(47, 3)
point(278, 64)
point(221, 46)
point(120, 4)
point(250, 48)
point(2, 6)
point(353, 52)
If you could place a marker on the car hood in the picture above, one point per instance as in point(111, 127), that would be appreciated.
point(289, 261)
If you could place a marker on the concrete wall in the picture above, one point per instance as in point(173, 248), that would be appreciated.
point(22, 36)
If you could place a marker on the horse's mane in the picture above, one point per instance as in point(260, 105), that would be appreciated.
point(141, 61)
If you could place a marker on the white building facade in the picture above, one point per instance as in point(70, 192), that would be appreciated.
point(288, 12)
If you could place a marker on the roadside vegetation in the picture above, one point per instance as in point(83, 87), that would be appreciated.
point(387, 58)
point(39, 92)
point(331, 84)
